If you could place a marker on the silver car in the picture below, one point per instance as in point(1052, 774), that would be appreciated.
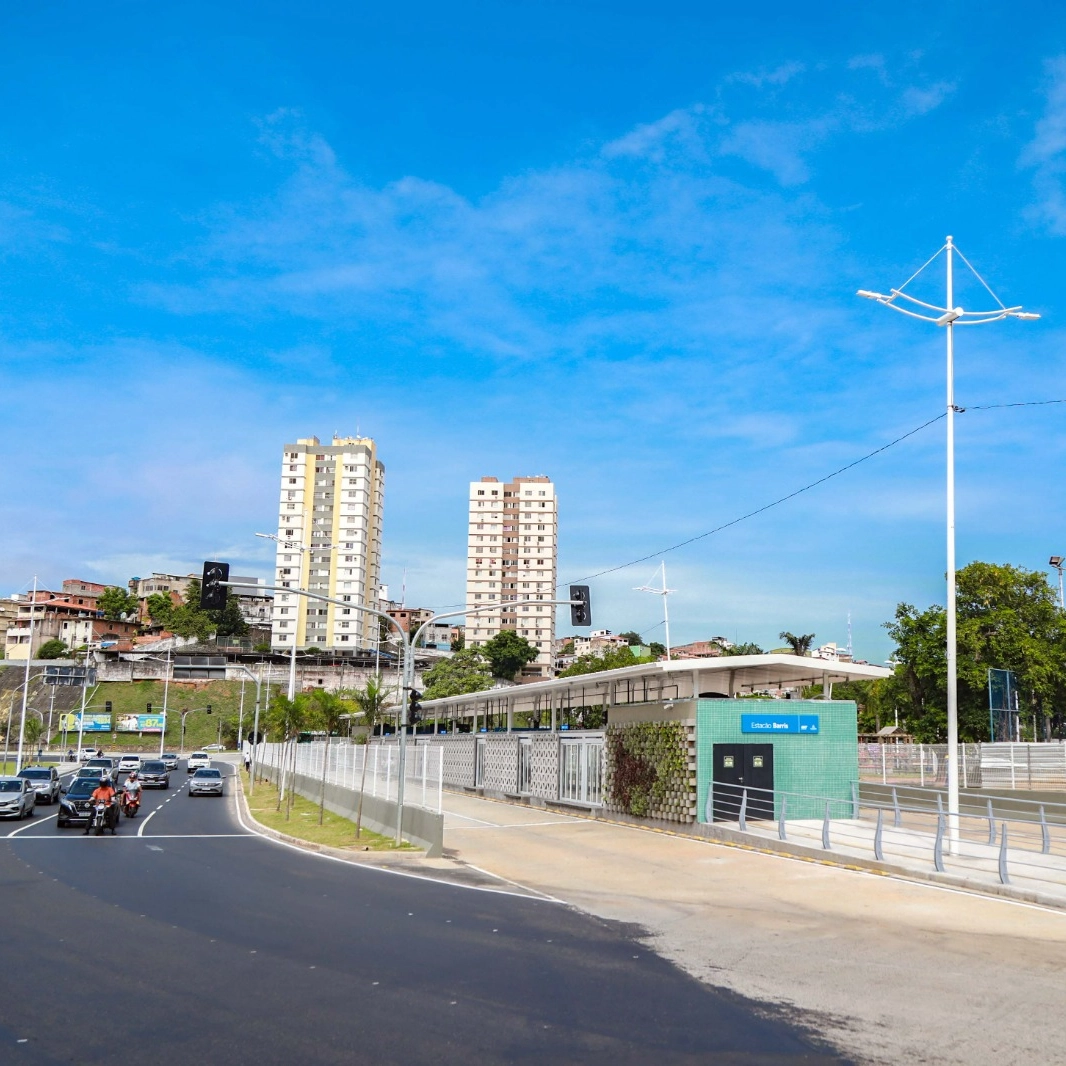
point(45, 779)
point(18, 797)
point(206, 782)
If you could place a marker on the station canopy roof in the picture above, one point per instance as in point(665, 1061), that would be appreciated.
point(678, 679)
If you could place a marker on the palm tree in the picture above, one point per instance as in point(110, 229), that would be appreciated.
point(371, 702)
point(799, 645)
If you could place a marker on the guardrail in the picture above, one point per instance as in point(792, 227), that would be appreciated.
point(999, 765)
point(1001, 838)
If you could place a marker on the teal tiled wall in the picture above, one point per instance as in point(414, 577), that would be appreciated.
point(811, 768)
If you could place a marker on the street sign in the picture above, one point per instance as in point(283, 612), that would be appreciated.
point(70, 676)
point(779, 723)
point(199, 667)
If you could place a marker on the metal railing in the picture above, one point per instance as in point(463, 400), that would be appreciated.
point(343, 764)
point(999, 765)
point(1003, 839)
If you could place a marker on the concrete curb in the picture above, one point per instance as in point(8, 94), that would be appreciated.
point(361, 858)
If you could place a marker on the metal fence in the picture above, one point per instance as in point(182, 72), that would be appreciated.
point(373, 767)
point(999, 766)
point(1000, 839)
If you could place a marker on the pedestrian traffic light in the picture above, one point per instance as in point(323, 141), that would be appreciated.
point(580, 606)
point(414, 708)
point(212, 591)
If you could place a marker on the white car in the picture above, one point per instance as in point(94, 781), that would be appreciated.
point(129, 762)
point(86, 754)
point(199, 760)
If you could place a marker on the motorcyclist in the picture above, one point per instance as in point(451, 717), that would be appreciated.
point(132, 788)
point(103, 793)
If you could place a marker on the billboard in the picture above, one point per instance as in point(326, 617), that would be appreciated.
point(139, 723)
point(94, 723)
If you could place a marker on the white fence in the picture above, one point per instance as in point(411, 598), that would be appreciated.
point(345, 764)
point(1000, 766)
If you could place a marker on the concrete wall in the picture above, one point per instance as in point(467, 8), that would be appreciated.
point(421, 827)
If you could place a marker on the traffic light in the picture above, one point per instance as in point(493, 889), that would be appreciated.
point(209, 708)
point(107, 706)
point(149, 708)
point(580, 612)
point(414, 708)
point(212, 591)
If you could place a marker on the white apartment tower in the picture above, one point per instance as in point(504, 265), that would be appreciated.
point(329, 541)
point(511, 555)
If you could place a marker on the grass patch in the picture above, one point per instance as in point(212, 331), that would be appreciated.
point(335, 831)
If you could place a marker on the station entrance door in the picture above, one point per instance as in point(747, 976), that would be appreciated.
point(740, 766)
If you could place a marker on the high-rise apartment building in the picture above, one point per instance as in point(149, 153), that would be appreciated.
point(329, 541)
point(511, 555)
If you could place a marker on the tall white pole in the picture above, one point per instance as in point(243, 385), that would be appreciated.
point(666, 611)
point(166, 693)
point(952, 663)
point(292, 670)
point(26, 683)
point(81, 716)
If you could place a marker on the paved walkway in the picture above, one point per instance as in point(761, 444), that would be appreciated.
point(893, 970)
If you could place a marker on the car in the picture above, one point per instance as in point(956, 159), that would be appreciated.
point(206, 782)
point(199, 760)
point(105, 766)
point(154, 774)
point(75, 805)
point(129, 762)
point(214, 747)
point(86, 754)
point(45, 780)
point(18, 797)
point(170, 759)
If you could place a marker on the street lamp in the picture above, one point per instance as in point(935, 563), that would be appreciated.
point(948, 317)
point(1057, 562)
point(664, 592)
point(293, 545)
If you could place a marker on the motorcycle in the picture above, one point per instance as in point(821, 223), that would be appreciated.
point(101, 819)
point(130, 804)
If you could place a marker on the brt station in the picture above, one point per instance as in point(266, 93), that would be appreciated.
point(701, 731)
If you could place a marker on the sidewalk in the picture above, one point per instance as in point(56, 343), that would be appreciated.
point(890, 969)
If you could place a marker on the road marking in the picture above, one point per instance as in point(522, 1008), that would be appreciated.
point(511, 825)
point(150, 836)
point(30, 824)
point(153, 847)
point(140, 831)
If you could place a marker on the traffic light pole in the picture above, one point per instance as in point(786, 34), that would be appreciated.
point(258, 679)
point(408, 655)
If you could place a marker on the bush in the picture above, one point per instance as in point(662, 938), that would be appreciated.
point(53, 649)
point(645, 761)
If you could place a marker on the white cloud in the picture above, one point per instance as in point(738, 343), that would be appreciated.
point(1045, 154)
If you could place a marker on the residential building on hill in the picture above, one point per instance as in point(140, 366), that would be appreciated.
point(59, 616)
point(512, 549)
point(329, 541)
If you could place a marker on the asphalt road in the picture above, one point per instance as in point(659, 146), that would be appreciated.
point(188, 938)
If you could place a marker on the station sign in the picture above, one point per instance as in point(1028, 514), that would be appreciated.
point(779, 723)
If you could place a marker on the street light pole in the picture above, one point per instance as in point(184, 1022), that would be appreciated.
point(26, 683)
point(166, 693)
point(1058, 562)
point(947, 317)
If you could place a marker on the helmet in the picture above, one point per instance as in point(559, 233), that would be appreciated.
point(133, 776)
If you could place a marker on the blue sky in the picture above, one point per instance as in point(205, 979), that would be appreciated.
point(617, 243)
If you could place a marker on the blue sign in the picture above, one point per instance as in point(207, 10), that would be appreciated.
point(779, 723)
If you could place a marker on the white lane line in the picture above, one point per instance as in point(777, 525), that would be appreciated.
point(140, 831)
point(30, 824)
point(511, 825)
point(150, 836)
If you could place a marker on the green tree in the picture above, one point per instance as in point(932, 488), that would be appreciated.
point(657, 650)
point(465, 671)
point(611, 659)
point(459, 641)
point(749, 648)
point(160, 609)
point(53, 649)
point(229, 622)
point(33, 730)
point(371, 701)
point(187, 622)
point(631, 637)
point(324, 712)
point(798, 645)
point(114, 602)
point(507, 653)
point(1007, 618)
